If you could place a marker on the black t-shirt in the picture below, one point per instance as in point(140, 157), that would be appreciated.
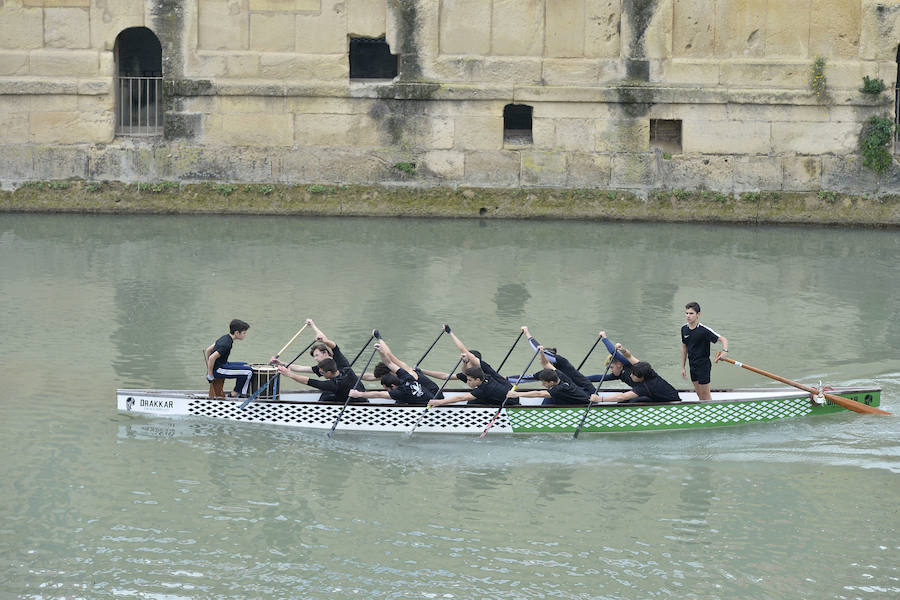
point(657, 389)
point(430, 386)
point(492, 374)
point(492, 393)
point(564, 366)
point(410, 391)
point(697, 341)
point(624, 376)
point(342, 363)
point(340, 385)
point(566, 392)
point(223, 347)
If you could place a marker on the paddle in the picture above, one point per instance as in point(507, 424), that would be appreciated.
point(296, 335)
point(503, 404)
point(334, 425)
point(441, 389)
point(521, 333)
point(597, 341)
point(612, 357)
point(274, 380)
point(445, 329)
point(366, 345)
point(839, 400)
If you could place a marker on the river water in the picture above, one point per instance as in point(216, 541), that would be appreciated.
point(97, 504)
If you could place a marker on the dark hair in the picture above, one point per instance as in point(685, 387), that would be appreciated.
point(328, 364)
point(475, 373)
point(238, 325)
point(319, 346)
point(380, 370)
point(547, 375)
point(643, 370)
point(390, 380)
point(693, 305)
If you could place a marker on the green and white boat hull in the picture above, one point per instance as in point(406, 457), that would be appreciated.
point(301, 409)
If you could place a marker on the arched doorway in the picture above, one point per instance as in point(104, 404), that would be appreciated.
point(139, 107)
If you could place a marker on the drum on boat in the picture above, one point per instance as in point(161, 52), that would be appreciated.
point(262, 375)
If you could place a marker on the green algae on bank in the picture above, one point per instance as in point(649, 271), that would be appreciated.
point(820, 208)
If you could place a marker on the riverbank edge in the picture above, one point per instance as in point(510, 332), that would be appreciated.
point(772, 207)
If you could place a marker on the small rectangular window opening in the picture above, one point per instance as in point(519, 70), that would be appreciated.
point(371, 58)
point(665, 134)
point(517, 124)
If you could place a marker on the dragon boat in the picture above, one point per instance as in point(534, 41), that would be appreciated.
point(302, 409)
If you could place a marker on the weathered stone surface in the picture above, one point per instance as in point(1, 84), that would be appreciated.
point(601, 36)
point(517, 27)
point(543, 168)
point(625, 135)
point(633, 171)
point(260, 129)
point(366, 18)
point(13, 62)
point(67, 63)
point(13, 126)
point(68, 128)
point(492, 169)
point(325, 32)
point(880, 30)
point(787, 29)
point(689, 172)
point(694, 29)
point(569, 71)
point(303, 67)
point(329, 130)
point(575, 135)
point(755, 173)
point(691, 71)
point(272, 32)
point(725, 137)
point(445, 164)
point(833, 37)
point(564, 30)
point(465, 27)
point(21, 28)
point(814, 138)
point(588, 170)
point(241, 65)
point(847, 173)
point(223, 25)
point(67, 28)
point(802, 172)
point(766, 74)
point(741, 28)
point(478, 133)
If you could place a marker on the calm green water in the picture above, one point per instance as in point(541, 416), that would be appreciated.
point(97, 504)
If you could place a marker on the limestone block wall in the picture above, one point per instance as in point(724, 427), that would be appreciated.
point(259, 90)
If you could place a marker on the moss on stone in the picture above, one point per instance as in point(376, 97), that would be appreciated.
point(556, 203)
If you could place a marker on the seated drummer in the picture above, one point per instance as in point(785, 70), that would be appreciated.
point(322, 349)
point(483, 390)
point(388, 358)
point(337, 383)
point(648, 386)
point(399, 384)
point(559, 389)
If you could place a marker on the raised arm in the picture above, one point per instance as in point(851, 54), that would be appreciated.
point(534, 346)
point(321, 336)
point(612, 349)
point(471, 359)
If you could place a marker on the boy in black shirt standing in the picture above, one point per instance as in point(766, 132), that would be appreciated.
point(695, 340)
point(217, 365)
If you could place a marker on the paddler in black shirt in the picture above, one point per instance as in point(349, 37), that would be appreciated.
point(560, 363)
point(322, 349)
point(482, 390)
point(472, 358)
point(559, 389)
point(648, 387)
point(337, 383)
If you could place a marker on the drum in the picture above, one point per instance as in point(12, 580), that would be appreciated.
point(262, 376)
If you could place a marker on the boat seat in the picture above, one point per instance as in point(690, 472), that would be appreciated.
point(217, 388)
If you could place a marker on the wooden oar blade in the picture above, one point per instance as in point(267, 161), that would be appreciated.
point(847, 403)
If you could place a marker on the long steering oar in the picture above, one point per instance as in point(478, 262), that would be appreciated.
point(503, 404)
point(597, 341)
point(296, 335)
point(334, 425)
point(521, 333)
point(440, 390)
point(612, 357)
point(446, 329)
point(839, 400)
point(274, 380)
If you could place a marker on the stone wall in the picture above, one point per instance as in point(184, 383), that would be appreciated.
point(259, 90)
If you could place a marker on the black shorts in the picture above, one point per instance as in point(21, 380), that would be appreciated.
point(700, 372)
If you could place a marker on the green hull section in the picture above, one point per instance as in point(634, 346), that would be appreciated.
point(606, 419)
